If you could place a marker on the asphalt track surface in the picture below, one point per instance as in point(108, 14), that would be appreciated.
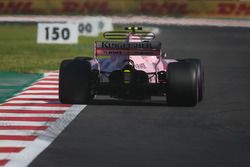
point(110, 133)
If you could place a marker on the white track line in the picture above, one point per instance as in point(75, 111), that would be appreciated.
point(45, 139)
point(46, 82)
point(14, 143)
point(32, 108)
point(18, 132)
point(51, 77)
point(27, 102)
point(24, 123)
point(38, 96)
point(44, 86)
point(51, 73)
point(40, 91)
point(29, 115)
point(7, 156)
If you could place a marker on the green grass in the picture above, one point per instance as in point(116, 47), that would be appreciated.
point(19, 51)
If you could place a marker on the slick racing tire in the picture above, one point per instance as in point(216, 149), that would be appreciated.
point(200, 75)
point(182, 86)
point(74, 82)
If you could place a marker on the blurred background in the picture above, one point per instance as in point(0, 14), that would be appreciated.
point(20, 52)
point(176, 8)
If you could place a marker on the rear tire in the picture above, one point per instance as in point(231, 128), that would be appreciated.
point(74, 82)
point(182, 87)
point(200, 75)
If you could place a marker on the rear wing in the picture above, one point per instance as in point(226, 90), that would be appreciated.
point(107, 48)
point(123, 35)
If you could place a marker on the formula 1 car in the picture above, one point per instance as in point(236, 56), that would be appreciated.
point(129, 64)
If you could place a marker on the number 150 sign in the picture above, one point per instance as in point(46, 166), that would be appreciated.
point(58, 33)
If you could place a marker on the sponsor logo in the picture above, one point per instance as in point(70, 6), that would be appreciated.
point(155, 7)
point(234, 9)
point(140, 66)
point(16, 7)
point(112, 53)
point(113, 45)
point(218, 8)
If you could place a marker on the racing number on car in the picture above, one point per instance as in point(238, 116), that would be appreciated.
point(55, 33)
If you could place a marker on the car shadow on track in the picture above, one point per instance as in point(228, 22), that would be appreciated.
point(156, 101)
point(126, 103)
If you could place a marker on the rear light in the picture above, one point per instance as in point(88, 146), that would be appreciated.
point(126, 76)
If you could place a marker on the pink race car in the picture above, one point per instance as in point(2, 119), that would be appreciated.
point(131, 65)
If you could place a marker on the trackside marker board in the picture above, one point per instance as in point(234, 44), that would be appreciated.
point(105, 24)
point(88, 26)
point(57, 33)
point(92, 26)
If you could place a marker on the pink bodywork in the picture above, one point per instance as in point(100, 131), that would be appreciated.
point(149, 64)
